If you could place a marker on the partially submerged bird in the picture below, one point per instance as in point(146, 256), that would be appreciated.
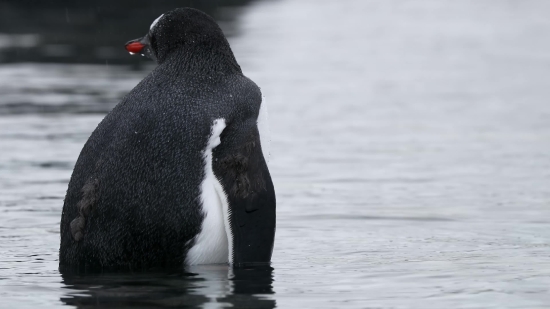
point(175, 174)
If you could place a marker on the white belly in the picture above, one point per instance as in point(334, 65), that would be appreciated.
point(212, 244)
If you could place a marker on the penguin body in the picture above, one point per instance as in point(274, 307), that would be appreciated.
point(175, 173)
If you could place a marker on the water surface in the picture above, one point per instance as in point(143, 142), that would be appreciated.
point(410, 155)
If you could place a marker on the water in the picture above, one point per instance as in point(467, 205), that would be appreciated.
point(59, 31)
point(410, 154)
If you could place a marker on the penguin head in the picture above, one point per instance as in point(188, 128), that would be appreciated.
point(177, 30)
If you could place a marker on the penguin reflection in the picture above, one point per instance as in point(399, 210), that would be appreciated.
point(196, 287)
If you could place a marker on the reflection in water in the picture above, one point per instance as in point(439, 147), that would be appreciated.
point(195, 287)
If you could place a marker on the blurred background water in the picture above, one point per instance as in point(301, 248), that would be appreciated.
point(410, 150)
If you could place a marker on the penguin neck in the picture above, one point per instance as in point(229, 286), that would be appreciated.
point(202, 58)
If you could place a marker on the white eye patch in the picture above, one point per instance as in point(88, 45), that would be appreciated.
point(155, 22)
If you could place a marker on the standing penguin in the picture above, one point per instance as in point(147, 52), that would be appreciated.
point(175, 174)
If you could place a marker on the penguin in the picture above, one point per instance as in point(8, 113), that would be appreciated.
point(175, 174)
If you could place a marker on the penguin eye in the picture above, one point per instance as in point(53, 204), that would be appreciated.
point(153, 44)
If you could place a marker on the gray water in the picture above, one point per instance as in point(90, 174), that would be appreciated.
point(410, 154)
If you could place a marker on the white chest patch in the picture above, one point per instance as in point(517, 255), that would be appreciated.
point(212, 245)
point(263, 128)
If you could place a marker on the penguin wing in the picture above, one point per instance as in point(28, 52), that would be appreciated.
point(265, 133)
point(242, 171)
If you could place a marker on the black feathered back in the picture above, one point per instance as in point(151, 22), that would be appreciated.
point(133, 201)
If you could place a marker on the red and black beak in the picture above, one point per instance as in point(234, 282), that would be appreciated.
point(134, 46)
point(140, 46)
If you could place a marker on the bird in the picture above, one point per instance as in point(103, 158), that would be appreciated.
point(176, 173)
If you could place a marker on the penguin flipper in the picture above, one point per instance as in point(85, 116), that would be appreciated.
point(243, 173)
